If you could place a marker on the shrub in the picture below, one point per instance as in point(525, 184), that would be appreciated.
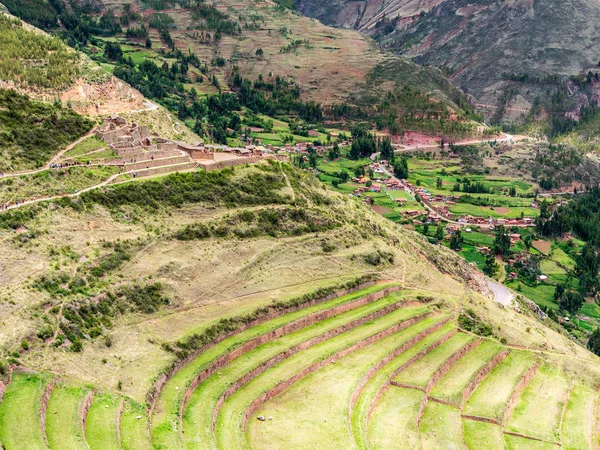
point(469, 321)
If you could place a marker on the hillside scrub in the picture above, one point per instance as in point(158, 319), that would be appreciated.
point(35, 59)
point(272, 222)
point(220, 188)
point(31, 131)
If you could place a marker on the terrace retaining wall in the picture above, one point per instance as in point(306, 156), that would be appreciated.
point(295, 325)
point(305, 345)
point(478, 378)
point(444, 368)
point(512, 402)
point(44, 406)
point(282, 386)
point(389, 358)
point(85, 409)
point(162, 380)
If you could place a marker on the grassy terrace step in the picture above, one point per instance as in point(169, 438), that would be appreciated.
point(440, 427)
point(578, 433)
point(482, 435)
point(63, 417)
point(20, 419)
point(368, 400)
point(452, 385)
point(165, 419)
point(491, 397)
point(102, 423)
point(134, 427)
point(394, 421)
point(317, 404)
point(539, 408)
point(276, 380)
point(204, 399)
point(419, 373)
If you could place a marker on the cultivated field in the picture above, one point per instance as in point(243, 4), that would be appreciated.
point(373, 368)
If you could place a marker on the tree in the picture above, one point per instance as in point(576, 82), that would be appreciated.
point(491, 266)
point(401, 168)
point(571, 301)
point(113, 51)
point(334, 152)
point(586, 268)
point(528, 240)
point(502, 242)
point(594, 342)
point(456, 241)
point(148, 42)
point(440, 232)
point(259, 52)
point(438, 183)
point(425, 228)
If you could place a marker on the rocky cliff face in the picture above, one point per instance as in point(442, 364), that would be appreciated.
point(488, 47)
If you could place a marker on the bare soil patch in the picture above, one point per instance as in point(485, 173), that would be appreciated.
point(381, 209)
point(542, 246)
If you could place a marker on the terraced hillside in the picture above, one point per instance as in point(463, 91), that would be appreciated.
point(372, 367)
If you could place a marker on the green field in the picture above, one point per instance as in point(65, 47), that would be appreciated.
point(482, 435)
point(394, 422)
point(20, 421)
point(86, 146)
point(440, 427)
point(491, 397)
point(575, 432)
point(52, 182)
point(539, 408)
point(101, 423)
point(134, 427)
point(63, 420)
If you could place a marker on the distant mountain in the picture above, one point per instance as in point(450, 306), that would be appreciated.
point(489, 48)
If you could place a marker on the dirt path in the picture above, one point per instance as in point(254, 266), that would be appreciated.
point(411, 148)
point(56, 197)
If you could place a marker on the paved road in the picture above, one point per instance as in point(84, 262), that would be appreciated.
point(502, 294)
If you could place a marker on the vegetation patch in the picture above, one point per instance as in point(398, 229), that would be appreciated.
point(272, 222)
point(35, 60)
point(31, 131)
point(469, 321)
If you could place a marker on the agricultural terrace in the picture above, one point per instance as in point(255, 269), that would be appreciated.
point(340, 368)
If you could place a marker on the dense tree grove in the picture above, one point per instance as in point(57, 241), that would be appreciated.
point(580, 216)
point(33, 130)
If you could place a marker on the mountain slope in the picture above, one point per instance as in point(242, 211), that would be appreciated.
point(42, 66)
point(480, 43)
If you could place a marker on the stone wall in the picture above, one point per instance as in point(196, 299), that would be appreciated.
point(162, 380)
point(295, 325)
point(284, 385)
point(249, 376)
point(44, 406)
